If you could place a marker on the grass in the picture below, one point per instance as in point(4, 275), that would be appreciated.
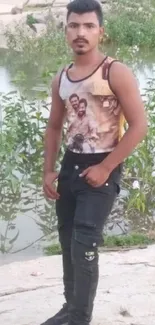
point(53, 250)
point(127, 22)
point(131, 23)
point(110, 242)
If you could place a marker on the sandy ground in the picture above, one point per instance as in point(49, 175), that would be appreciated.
point(31, 291)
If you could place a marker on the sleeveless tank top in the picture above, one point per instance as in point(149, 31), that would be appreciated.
point(95, 121)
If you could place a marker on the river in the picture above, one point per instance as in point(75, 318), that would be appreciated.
point(27, 223)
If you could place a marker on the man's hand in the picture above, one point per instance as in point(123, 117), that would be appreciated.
point(48, 186)
point(96, 175)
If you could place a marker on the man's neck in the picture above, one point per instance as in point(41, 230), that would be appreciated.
point(82, 117)
point(91, 58)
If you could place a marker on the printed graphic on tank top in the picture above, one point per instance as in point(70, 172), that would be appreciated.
point(95, 122)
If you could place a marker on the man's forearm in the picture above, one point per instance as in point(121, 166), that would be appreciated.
point(125, 147)
point(52, 146)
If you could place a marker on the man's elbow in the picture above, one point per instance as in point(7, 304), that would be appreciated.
point(141, 128)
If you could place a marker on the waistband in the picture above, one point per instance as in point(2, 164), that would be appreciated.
point(72, 158)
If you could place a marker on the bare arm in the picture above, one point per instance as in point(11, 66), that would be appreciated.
point(126, 89)
point(54, 128)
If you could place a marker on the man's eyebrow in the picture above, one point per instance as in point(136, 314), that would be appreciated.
point(85, 24)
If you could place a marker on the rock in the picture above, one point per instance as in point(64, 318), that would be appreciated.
point(40, 29)
point(42, 3)
point(53, 14)
point(16, 10)
point(50, 17)
point(5, 9)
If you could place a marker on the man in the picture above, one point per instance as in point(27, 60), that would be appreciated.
point(74, 100)
point(83, 129)
point(88, 182)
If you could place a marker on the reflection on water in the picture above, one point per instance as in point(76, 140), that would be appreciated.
point(27, 221)
point(5, 82)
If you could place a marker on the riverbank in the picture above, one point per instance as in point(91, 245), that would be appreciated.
point(11, 21)
point(13, 15)
point(30, 292)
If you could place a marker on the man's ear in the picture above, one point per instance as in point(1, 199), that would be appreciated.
point(101, 38)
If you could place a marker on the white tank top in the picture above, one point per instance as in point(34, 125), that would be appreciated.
point(95, 122)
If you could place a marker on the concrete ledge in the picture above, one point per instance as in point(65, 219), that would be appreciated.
point(31, 291)
point(5, 9)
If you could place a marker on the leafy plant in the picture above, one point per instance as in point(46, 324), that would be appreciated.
point(24, 118)
point(131, 23)
point(21, 156)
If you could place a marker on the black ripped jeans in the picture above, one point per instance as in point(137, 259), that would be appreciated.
point(82, 211)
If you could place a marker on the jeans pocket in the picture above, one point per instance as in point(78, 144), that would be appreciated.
point(94, 205)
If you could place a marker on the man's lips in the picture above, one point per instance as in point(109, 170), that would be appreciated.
point(80, 42)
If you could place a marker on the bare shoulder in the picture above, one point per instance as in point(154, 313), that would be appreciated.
point(119, 67)
point(57, 112)
point(122, 77)
point(56, 80)
point(125, 86)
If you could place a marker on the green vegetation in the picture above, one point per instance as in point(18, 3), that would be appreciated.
point(131, 23)
point(32, 62)
point(111, 242)
point(22, 152)
point(129, 26)
point(135, 239)
point(53, 250)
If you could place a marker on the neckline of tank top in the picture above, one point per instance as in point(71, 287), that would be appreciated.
point(91, 74)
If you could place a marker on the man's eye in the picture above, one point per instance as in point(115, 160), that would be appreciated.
point(73, 25)
point(90, 26)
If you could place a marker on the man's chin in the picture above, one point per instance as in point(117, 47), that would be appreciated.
point(80, 52)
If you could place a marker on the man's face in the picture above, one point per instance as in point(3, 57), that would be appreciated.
point(83, 32)
point(82, 110)
point(75, 102)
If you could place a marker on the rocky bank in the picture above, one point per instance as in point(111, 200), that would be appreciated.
point(13, 13)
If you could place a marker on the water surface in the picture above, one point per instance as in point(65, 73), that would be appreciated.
point(25, 225)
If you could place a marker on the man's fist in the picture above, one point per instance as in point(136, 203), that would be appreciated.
point(96, 175)
point(48, 185)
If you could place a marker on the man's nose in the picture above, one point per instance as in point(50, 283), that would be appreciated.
point(81, 31)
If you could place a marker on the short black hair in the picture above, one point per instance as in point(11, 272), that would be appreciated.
point(83, 101)
point(72, 96)
point(84, 6)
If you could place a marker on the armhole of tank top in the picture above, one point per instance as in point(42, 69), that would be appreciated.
point(60, 77)
point(61, 73)
point(107, 74)
point(108, 79)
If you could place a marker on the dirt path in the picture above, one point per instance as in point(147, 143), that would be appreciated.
point(31, 291)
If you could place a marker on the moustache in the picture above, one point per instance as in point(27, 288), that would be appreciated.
point(81, 40)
